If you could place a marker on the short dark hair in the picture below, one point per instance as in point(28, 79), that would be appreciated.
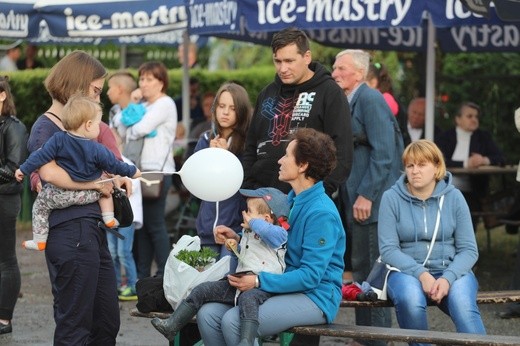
point(289, 36)
point(156, 69)
point(316, 149)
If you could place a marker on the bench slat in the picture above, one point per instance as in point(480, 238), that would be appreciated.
point(405, 335)
point(483, 297)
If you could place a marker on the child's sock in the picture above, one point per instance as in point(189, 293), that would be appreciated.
point(109, 220)
point(34, 245)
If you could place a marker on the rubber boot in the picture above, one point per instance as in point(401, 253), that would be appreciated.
point(172, 325)
point(248, 331)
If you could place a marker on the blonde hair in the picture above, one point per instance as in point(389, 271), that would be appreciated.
point(78, 110)
point(261, 207)
point(425, 150)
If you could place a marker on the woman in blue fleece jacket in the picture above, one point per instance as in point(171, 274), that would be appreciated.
point(309, 291)
point(407, 219)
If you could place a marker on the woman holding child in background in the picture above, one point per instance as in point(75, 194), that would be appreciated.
point(86, 311)
point(157, 126)
point(13, 142)
point(231, 115)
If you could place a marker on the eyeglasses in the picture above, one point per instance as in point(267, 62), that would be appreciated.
point(97, 90)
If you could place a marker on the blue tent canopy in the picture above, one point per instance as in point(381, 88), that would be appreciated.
point(381, 25)
point(398, 26)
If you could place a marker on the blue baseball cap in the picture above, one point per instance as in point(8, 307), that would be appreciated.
point(275, 199)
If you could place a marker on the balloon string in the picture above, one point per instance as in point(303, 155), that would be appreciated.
point(160, 172)
point(216, 216)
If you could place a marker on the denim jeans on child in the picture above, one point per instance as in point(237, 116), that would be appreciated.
point(121, 252)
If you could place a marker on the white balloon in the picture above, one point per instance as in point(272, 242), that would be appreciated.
point(212, 174)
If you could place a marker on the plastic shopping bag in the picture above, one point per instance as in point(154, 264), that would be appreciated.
point(180, 278)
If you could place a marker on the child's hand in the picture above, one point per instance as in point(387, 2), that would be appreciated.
point(137, 174)
point(19, 175)
point(247, 218)
point(231, 244)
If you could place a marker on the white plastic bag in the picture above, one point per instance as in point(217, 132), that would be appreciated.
point(180, 278)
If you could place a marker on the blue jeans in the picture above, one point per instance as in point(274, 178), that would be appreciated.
point(460, 304)
point(121, 252)
point(153, 241)
point(219, 324)
point(365, 251)
point(9, 270)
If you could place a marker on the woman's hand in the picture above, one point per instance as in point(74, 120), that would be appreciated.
point(242, 283)
point(218, 142)
point(427, 280)
point(105, 187)
point(221, 233)
point(124, 183)
point(439, 290)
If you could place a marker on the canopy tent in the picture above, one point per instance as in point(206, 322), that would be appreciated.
point(382, 25)
point(122, 22)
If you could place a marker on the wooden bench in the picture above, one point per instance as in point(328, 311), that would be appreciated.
point(405, 335)
point(483, 297)
point(390, 334)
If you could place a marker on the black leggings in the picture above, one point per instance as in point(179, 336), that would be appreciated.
point(9, 270)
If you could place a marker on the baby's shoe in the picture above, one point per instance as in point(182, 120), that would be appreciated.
point(109, 220)
point(34, 245)
point(112, 223)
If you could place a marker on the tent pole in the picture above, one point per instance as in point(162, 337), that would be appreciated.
point(430, 80)
point(186, 84)
point(122, 56)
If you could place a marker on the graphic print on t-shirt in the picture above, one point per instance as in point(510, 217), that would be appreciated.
point(282, 111)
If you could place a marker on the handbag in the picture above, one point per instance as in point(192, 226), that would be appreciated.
point(378, 277)
point(122, 208)
point(152, 185)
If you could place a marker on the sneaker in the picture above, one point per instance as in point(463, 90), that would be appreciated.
point(128, 294)
point(121, 289)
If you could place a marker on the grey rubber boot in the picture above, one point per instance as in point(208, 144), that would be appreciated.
point(172, 325)
point(248, 331)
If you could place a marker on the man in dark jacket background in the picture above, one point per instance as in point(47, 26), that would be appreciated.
point(303, 94)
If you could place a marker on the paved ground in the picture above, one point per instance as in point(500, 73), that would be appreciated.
point(33, 322)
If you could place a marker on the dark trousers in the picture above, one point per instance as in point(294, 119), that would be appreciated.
point(86, 308)
point(222, 292)
point(9, 270)
point(153, 241)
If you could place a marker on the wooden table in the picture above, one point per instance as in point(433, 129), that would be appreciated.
point(490, 170)
point(494, 205)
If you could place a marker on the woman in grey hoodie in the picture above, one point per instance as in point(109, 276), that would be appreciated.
point(407, 221)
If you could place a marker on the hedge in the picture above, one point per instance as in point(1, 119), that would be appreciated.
point(31, 98)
